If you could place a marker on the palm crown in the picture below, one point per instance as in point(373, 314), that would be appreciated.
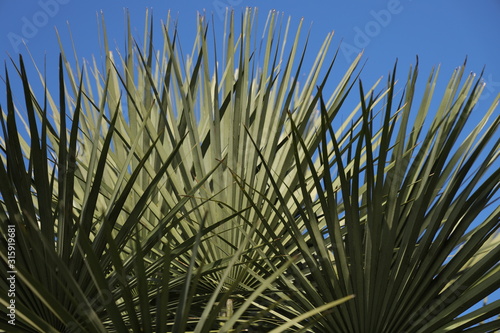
point(219, 193)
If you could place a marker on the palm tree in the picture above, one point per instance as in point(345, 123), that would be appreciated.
point(213, 192)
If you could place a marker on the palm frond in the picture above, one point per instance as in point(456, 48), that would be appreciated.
point(217, 191)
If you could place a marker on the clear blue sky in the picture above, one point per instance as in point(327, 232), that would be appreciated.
point(439, 32)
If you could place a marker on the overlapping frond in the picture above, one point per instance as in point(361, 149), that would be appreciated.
point(161, 192)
